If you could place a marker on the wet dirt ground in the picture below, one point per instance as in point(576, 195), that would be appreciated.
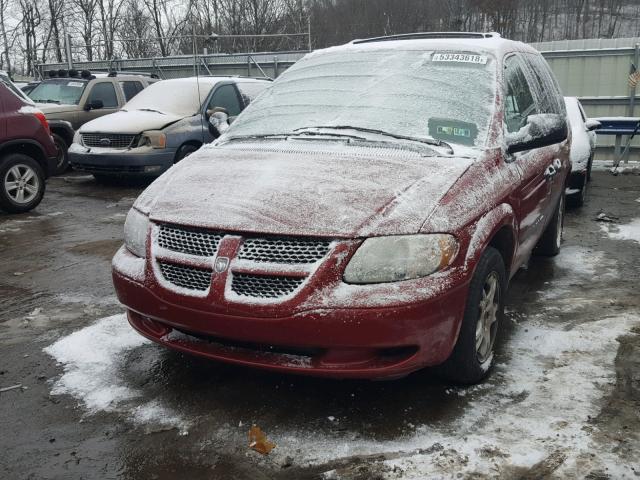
point(563, 400)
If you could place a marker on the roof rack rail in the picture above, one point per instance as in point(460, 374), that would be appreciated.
point(427, 35)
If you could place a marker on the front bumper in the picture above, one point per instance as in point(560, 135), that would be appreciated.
point(396, 336)
point(130, 162)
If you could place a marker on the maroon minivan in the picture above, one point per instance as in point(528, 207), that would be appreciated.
point(362, 217)
point(27, 152)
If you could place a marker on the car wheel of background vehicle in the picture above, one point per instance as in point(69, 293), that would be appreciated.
point(577, 199)
point(62, 159)
point(549, 243)
point(589, 167)
point(472, 355)
point(22, 185)
point(184, 152)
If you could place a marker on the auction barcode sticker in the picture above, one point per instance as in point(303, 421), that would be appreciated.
point(459, 57)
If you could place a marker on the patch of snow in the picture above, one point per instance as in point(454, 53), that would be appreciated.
point(29, 110)
point(92, 359)
point(538, 403)
point(629, 231)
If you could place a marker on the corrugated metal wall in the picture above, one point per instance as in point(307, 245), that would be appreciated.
point(597, 72)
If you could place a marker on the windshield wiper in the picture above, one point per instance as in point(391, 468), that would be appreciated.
point(151, 110)
point(427, 141)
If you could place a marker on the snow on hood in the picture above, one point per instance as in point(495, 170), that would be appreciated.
point(297, 188)
point(50, 108)
point(134, 122)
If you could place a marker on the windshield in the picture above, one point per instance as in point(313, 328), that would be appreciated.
point(64, 91)
point(179, 97)
point(447, 96)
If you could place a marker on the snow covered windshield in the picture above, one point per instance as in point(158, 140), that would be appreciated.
point(172, 96)
point(444, 95)
point(62, 91)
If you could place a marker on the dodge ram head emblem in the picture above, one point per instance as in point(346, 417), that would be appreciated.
point(221, 264)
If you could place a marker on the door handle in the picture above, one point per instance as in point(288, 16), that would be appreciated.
point(550, 172)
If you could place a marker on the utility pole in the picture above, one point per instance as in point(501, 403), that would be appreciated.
point(309, 31)
point(67, 47)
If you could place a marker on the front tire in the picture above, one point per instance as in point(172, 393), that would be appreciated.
point(23, 184)
point(577, 199)
point(185, 151)
point(62, 158)
point(472, 356)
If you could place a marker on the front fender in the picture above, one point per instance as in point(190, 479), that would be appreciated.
point(63, 128)
point(486, 228)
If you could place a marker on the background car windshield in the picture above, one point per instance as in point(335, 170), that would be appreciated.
point(179, 97)
point(416, 93)
point(65, 91)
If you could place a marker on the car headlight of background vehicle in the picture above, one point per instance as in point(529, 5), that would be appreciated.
point(136, 227)
point(153, 138)
point(402, 257)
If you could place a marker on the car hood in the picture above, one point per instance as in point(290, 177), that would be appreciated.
point(51, 109)
point(336, 191)
point(132, 122)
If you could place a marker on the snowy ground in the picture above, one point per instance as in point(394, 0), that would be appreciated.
point(102, 402)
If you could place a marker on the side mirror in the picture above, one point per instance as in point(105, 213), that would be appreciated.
point(218, 122)
point(541, 130)
point(592, 124)
point(93, 105)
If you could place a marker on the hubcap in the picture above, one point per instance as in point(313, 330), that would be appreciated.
point(487, 325)
point(21, 184)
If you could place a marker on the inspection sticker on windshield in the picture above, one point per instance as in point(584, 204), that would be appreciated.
point(459, 57)
point(75, 84)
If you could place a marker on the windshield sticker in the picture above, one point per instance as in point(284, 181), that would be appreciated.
point(454, 131)
point(75, 84)
point(459, 58)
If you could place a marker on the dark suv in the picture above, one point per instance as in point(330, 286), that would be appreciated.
point(27, 153)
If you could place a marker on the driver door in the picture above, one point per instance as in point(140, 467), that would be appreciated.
point(531, 197)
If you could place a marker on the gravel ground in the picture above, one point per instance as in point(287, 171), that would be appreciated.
point(99, 402)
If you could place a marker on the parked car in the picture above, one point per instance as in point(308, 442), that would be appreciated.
point(70, 100)
point(362, 217)
point(27, 152)
point(583, 145)
point(161, 126)
point(6, 79)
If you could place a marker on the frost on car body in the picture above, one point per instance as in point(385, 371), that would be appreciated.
point(449, 153)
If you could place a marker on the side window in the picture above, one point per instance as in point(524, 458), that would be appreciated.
point(226, 97)
point(519, 102)
point(130, 88)
point(544, 84)
point(106, 92)
point(250, 90)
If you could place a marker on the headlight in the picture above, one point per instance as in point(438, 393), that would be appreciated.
point(153, 138)
point(403, 257)
point(77, 138)
point(136, 227)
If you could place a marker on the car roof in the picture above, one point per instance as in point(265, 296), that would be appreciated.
point(491, 43)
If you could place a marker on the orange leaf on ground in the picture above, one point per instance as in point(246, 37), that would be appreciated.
point(258, 441)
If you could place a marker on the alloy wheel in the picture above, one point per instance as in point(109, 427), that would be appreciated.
point(487, 325)
point(21, 184)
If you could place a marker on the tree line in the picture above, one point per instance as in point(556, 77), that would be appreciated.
point(34, 31)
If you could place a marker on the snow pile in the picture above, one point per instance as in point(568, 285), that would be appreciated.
point(92, 359)
point(536, 407)
point(629, 231)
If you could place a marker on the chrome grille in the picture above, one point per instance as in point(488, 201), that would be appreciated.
point(193, 242)
point(284, 250)
point(107, 140)
point(186, 277)
point(264, 286)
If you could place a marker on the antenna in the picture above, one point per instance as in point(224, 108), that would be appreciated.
point(196, 70)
